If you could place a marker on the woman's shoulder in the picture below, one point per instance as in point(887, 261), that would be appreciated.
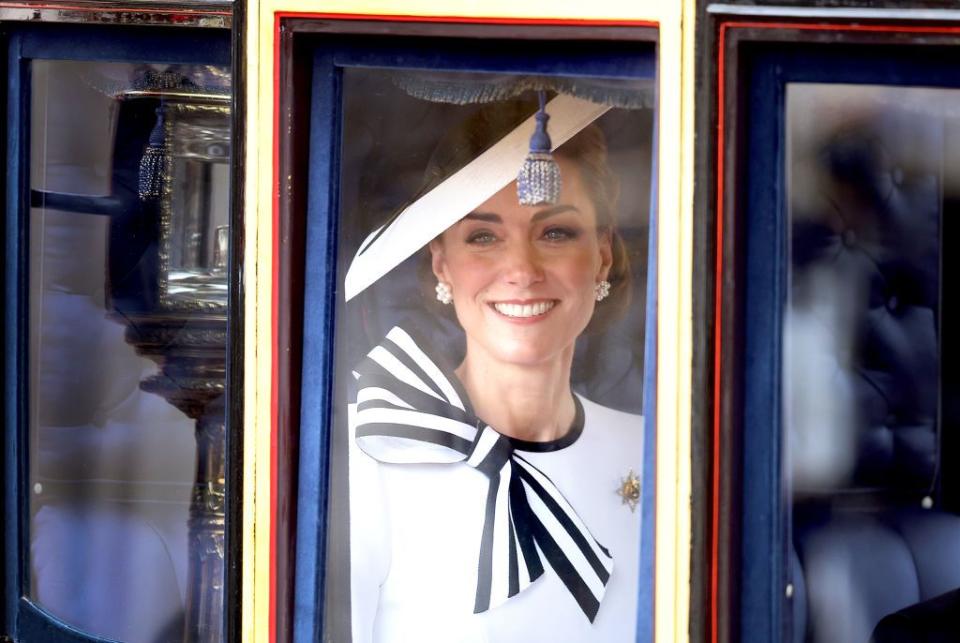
point(594, 411)
point(616, 433)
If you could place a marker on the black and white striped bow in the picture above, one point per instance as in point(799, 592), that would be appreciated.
point(409, 411)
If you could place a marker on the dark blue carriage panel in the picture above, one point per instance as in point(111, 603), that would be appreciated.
point(318, 328)
point(122, 44)
point(763, 526)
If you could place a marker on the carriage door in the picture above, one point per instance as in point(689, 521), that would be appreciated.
point(369, 111)
point(837, 511)
point(117, 268)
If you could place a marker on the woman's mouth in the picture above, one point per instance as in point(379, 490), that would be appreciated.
point(525, 310)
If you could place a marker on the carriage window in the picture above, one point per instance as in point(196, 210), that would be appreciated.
point(873, 188)
point(126, 343)
point(488, 434)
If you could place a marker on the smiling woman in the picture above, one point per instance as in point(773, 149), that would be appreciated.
point(482, 484)
point(524, 282)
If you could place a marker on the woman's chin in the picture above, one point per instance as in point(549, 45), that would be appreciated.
point(531, 341)
point(525, 352)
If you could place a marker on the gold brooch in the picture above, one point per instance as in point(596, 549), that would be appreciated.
point(630, 490)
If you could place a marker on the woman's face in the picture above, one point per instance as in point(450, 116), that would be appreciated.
point(523, 277)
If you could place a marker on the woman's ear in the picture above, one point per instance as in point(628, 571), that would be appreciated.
point(438, 260)
point(605, 241)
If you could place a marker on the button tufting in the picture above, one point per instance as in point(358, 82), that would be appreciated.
point(893, 303)
point(849, 238)
point(897, 176)
point(891, 420)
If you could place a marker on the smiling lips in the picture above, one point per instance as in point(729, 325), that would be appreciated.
point(526, 310)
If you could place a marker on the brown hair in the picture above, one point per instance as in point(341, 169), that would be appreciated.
point(587, 149)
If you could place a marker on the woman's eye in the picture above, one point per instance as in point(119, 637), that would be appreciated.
point(481, 237)
point(559, 234)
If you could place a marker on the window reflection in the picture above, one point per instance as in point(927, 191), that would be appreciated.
point(404, 136)
point(127, 341)
point(872, 185)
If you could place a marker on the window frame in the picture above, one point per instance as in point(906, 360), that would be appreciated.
point(23, 43)
point(732, 420)
point(306, 270)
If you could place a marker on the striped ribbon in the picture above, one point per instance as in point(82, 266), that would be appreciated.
point(409, 411)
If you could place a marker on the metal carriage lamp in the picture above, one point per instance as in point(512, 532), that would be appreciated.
point(185, 179)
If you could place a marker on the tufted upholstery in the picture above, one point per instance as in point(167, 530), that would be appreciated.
point(874, 232)
point(862, 373)
point(858, 567)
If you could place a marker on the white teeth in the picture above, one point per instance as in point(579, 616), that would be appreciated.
point(524, 310)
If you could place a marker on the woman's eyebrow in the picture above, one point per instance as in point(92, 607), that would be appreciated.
point(489, 217)
point(492, 217)
point(557, 209)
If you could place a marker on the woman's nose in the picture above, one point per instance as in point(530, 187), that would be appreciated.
point(523, 266)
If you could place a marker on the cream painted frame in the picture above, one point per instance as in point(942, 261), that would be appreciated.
point(675, 22)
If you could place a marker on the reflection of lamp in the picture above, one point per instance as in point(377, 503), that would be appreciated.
point(167, 283)
point(184, 330)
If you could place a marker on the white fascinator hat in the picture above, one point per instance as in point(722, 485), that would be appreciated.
point(519, 155)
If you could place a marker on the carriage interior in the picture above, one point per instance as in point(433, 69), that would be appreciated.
point(870, 377)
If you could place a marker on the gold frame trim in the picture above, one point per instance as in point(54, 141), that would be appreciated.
point(674, 340)
point(167, 302)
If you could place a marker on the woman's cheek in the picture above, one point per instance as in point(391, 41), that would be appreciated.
point(472, 267)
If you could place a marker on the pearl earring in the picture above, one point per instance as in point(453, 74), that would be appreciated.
point(444, 293)
point(602, 290)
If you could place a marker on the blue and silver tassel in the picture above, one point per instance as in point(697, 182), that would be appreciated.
point(538, 182)
point(154, 164)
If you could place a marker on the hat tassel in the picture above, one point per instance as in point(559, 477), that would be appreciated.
point(538, 182)
point(155, 162)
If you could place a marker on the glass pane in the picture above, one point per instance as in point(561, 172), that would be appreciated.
point(873, 185)
point(129, 194)
point(523, 353)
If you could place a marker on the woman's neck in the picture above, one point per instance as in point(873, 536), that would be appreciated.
point(531, 403)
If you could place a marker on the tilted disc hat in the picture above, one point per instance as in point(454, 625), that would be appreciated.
point(463, 191)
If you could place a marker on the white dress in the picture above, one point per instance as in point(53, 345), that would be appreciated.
point(416, 528)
